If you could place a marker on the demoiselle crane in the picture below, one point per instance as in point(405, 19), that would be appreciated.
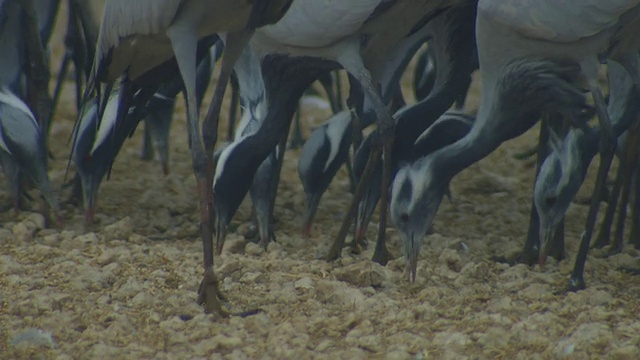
point(337, 35)
point(510, 30)
point(452, 41)
point(136, 37)
point(565, 168)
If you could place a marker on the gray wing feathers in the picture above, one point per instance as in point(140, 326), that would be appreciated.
point(124, 18)
point(557, 20)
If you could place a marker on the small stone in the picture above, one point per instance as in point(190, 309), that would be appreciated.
point(324, 345)
point(226, 342)
point(451, 340)
point(120, 230)
point(35, 221)
point(79, 241)
point(253, 249)
point(51, 239)
point(253, 278)
point(129, 289)
point(452, 259)
point(398, 355)
point(33, 337)
point(600, 298)
point(304, 284)
point(334, 292)
point(234, 245)
point(536, 292)
point(626, 353)
point(21, 233)
point(362, 274)
point(105, 258)
point(137, 239)
point(5, 235)
point(499, 305)
point(142, 299)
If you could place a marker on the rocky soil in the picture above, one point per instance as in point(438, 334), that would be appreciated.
point(126, 288)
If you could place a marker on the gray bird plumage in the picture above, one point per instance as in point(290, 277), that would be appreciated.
point(564, 170)
point(524, 91)
point(22, 148)
point(321, 158)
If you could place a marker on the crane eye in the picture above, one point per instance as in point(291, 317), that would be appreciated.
point(551, 200)
point(404, 217)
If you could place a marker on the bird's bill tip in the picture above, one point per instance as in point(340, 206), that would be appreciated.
point(306, 229)
point(412, 267)
point(89, 215)
point(545, 240)
point(361, 231)
point(221, 235)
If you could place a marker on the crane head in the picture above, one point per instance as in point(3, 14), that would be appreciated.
point(415, 198)
point(559, 180)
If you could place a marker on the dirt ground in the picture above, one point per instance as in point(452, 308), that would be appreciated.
point(127, 288)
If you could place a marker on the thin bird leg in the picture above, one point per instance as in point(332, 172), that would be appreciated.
point(338, 244)
point(296, 138)
point(275, 181)
point(352, 62)
point(38, 71)
point(558, 125)
point(352, 178)
point(531, 250)
point(604, 234)
point(233, 108)
point(234, 45)
point(62, 73)
point(147, 144)
point(634, 236)
point(627, 168)
point(576, 282)
point(68, 54)
point(338, 93)
point(327, 84)
point(184, 42)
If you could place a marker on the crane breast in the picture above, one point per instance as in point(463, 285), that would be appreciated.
point(314, 23)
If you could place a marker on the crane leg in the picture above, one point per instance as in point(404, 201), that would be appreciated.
point(634, 236)
point(275, 182)
point(297, 139)
point(604, 234)
point(607, 151)
point(532, 244)
point(626, 167)
point(233, 108)
point(62, 73)
point(352, 62)
point(633, 140)
point(576, 281)
point(184, 42)
point(338, 94)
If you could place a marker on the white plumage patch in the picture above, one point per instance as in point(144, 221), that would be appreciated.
point(313, 23)
point(224, 156)
point(335, 132)
point(10, 99)
point(108, 121)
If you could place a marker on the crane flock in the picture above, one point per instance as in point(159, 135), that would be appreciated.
point(538, 60)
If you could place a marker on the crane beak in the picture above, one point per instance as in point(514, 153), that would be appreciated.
point(365, 211)
point(412, 250)
point(221, 235)
point(89, 195)
point(313, 201)
point(546, 234)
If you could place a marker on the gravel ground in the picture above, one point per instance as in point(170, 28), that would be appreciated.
point(127, 287)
